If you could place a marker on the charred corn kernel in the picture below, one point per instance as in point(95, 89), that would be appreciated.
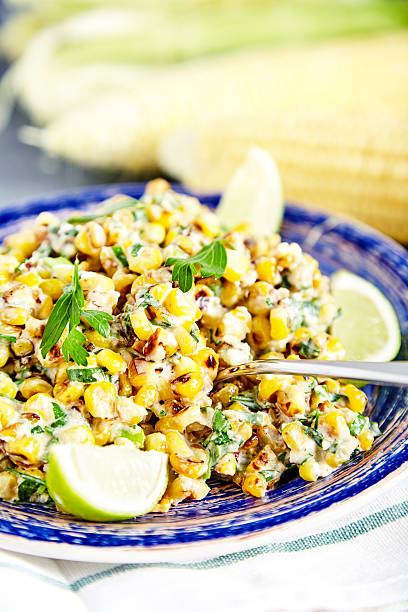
point(52, 287)
point(207, 359)
point(45, 309)
point(146, 396)
point(27, 447)
point(41, 404)
point(357, 398)
point(34, 385)
point(7, 413)
point(208, 223)
point(231, 294)
point(142, 373)
point(335, 422)
point(154, 232)
point(182, 487)
point(141, 324)
point(294, 436)
point(227, 465)
point(225, 393)
point(148, 258)
point(254, 484)
point(80, 434)
point(237, 265)
point(102, 431)
point(13, 315)
point(269, 385)
point(156, 441)
point(185, 341)
point(192, 466)
point(261, 331)
point(130, 412)
point(68, 392)
point(7, 386)
point(100, 399)
point(90, 238)
point(11, 432)
point(333, 459)
point(8, 486)
point(30, 279)
point(91, 281)
point(97, 339)
point(122, 281)
point(186, 364)
point(167, 340)
point(186, 243)
point(266, 270)
point(171, 235)
point(333, 386)
point(366, 439)
point(22, 244)
point(244, 431)
point(279, 328)
point(308, 470)
point(181, 305)
point(113, 362)
point(188, 384)
point(177, 444)
point(125, 387)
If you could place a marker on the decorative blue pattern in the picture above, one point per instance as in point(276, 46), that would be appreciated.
point(226, 512)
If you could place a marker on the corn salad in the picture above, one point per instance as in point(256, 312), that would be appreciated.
point(157, 298)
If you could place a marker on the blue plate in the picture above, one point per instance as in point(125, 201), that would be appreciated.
point(226, 518)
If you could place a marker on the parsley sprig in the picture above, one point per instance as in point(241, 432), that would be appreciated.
point(68, 311)
point(210, 261)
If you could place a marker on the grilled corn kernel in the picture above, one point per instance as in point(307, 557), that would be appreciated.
point(156, 441)
point(366, 439)
point(30, 279)
point(266, 270)
point(279, 328)
point(23, 243)
point(90, 238)
point(192, 466)
point(13, 315)
point(231, 294)
point(100, 399)
point(41, 404)
point(142, 373)
point(45, 309)
point(294, 436)
point(8, 486)
point(334, 460)
point(141, 324)
point(225, 393)
point(227, 465)
point(308, 470)
point(147, 258)
point(333, 386)
point(188, 384)
point(186, 342)
point(68, 392)
point(27, 447)
point(7, 386)
point(261, 331)
point(207, 359)
point(96, 282)
point(7, 413)
point(254, 484)
point(102, 431)
point(80, 434)
point(182, 305)
point(113, 362)
point(52, 287)
point(208, 223)
point(34, 385)
point(146, 396)
point(357, 398)
point(130, 412)
point(237, 265)
point(97, 339)
point(177, 444)
point(269, 385)
point(335, 422)
point(125, 387)
point(154, 232)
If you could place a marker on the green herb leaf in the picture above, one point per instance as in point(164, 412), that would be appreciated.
point(136, 248)
point(193, 332)
point(99, 320)
point(128, 203)
point(269, 474)
point(73, 346)
point(56, 323)
point(312, 433)
point(309, 349)
point(8, 338)
point(250, 400)
point(285, 282)
point(148, 300)
point(282, 457)
point(216, 288)
point(373, 425)
point(135, 434)
point(211, 261)
point(163, 323)
point(120, 255)
point(37, 429)
point(269, 302)
point(87, 375)
point(255, 418)
point(357, 426)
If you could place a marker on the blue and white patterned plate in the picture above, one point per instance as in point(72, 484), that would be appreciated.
point(226, 519)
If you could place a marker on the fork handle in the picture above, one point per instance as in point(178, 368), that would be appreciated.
point(393, 373)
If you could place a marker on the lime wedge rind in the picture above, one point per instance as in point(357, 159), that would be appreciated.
point(106, 483)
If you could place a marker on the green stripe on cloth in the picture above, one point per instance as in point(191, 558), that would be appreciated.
point(342, 534)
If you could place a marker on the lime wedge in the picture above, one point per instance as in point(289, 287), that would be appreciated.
point(109, 483)
point(368, 325)
point(254, 194)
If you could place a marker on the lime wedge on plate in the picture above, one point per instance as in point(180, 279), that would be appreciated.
point(368, 325)
point(109, 483)
point(254, 194)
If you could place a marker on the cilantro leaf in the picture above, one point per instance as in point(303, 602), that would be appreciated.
point(124, 203)
point(250, 400)
point(99, 320)
point(56, 323)
point(148, 300)
point(8, 338)
point(211, 260)
point(309, 349)
point(120, 255)
point(73, 346)
point(357, 425)
point(87, 375)
point(269, 474)
point(313, 433)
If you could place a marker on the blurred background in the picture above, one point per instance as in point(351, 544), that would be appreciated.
point(98, 91)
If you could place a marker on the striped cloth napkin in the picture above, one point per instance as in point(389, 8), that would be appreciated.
point(356, 562)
